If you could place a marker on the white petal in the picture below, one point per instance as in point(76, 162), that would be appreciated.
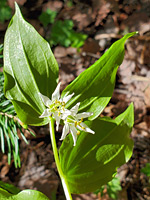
point(45, 99)
point(74, 109)
point(57, 118)
point(46, 113)
point(84, 115)
point(73, 133)
point(56, 93)
point(65, 114)
point(67, 98)
point(87, 129)
point(79, 127)
point(65, 131)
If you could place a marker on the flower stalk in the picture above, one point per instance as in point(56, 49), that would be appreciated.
point(54, 146)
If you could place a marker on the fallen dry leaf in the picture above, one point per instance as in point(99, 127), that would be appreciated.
point(4, 170)
point(53, 5)
point(83, 18)
point(60, 52)
point(147, 96)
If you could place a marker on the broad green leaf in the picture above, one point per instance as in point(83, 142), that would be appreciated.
point(23, 195)
point(94, 87)
point(29, 67)
point(94, 159)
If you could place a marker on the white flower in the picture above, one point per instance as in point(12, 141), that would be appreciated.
point(73, 122)
point(56, 106)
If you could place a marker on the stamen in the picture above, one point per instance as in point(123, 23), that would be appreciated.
point(76, 123)
point(81, 119)
point(59, 113)
point(63, 104)
point(83, 127)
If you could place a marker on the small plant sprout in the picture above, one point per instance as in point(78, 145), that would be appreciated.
point(84, 161)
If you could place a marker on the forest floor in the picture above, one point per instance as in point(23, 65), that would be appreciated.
point(104, 22)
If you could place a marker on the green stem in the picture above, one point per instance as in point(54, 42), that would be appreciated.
point(63, 179)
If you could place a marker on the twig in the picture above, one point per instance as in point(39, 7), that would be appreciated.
point(12, 117)
point(139, 78)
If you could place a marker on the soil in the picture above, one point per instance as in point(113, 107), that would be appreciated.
point(104, 22)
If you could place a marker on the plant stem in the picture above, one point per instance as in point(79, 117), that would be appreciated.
point(54, 146)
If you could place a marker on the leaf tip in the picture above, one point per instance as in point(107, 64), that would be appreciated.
point(17, 9)
point(131, 106)
point(128, 35)
point(16, 5)
point(130, 111)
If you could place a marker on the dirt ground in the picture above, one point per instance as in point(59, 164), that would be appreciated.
point(104, 21)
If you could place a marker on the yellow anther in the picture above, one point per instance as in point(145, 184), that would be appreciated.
point(76, 123)
point(78, 132)
point(83, 127)
point(81, 119)
point(63, 104)
point(57, 102)
point(55, 109)
point(59, 114)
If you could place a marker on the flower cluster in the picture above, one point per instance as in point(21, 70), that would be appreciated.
point(73, 121)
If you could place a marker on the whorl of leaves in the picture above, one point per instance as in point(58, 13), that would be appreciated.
point(10, 125)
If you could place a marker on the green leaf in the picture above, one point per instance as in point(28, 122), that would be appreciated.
point(9, 187)
point(94, 159)
point(23, 195)
point(78, 39)
point(60, 33)
point(63, 34)
point(94, 87)
point(146, 169)
point(5, 11)
point(47, 17)
point(29, 67)
point(113, 187)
